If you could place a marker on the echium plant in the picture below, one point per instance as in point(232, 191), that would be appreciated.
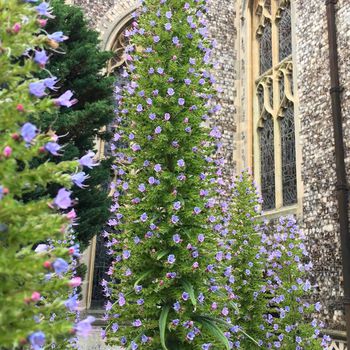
point(163, 243)
point(37, 299)
point(268, 274)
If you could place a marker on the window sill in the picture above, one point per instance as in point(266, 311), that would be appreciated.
point(283, 211)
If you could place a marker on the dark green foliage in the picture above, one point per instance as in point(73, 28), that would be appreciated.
point(80, 69)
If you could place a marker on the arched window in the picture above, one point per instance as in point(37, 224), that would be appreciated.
point(273, 111)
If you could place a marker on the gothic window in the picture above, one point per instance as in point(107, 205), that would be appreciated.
point(274, 109)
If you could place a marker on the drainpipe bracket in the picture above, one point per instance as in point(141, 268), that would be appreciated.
point(336, 89)
point(342, 187)
point(328, 2)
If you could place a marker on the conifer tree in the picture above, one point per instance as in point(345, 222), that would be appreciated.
point(81, 69)
point(163, 244)
point(37, 302)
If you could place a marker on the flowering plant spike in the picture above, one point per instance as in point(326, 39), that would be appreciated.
point(164, 208)
point(37, 252)
point(268, 274)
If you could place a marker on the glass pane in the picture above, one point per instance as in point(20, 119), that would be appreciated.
point(267, 163)
point(282, 87)
point(268, 5)
point(289, 178)
point(266, 48)
point(285, 34)
point(102, 263)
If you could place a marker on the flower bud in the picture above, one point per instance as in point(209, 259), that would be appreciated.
point(74, 282)
point(47, 264)
point(35, 296)
point(16, 27)
point(7, 151)
point(42, 22)
point(20, 108)
point(15, 137)
point(42, 149)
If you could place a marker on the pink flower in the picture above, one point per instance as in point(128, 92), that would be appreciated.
point(75, 282)
point(65, 99)
point(16, 27)
point(35, 296)
point(7, 151)
point(63, 200)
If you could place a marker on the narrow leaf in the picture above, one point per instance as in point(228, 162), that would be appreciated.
point(189, 289)
point(162, 253)
point(162, 325)
point(216, 331)
point(143, 276)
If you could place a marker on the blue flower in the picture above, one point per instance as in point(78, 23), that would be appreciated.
point(171, 259)
point(28, 132)
point(37, 89)
point(63, 200)
point(44, 9)
point(37, 340)
point(53, 148)
point(79, 178)
point(87, 160)
point(72, 303)
point(41, 58)
point(65, 99)
point(60, 266)
point(58, 37)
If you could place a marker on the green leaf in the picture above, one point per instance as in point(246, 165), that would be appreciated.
point(189, 289)
point(162, 325)
point(162, 253)
point(143, 276)
point(215, 330)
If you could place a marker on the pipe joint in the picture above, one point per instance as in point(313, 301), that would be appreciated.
point(336, 89)
point(328, 2)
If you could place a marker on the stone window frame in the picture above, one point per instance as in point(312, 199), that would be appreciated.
point(256, 14)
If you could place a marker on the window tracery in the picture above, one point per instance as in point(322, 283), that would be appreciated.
point(274, 114)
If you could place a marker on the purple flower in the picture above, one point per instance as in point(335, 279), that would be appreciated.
point(176, 306)
point(160, 70)
point(72, 303)
point(121, 300)
point(156, 39)
point(65, 99)
point(50, 83)
point(197, 210)
point(185, 296)
point(171, 92)
point(41, 58)
point(201, 238)
point(168, 14)
point(166, 116)
point(144, 217)
point(190, 336)
point(28, 132)
point(137, 323)
point(142, 188)
point(167, 26)
point(58, 37)
point(139, 108)
point(44, 9)
point(174, 219)
point(37, 340)
point(177, 238)
point(187, 81)
point(181, 163)
point(157, 168)
point(53, 148)
point(171, 259)
point(158, 130)
point(126, 254)
point(206, 346)
point(177, 205)
point(63, 200)
point(60, 266)
point(175, 40)
point(83, 328)
point(181, 101)
point(79, 178)
point(37, 89)
point(87, 160)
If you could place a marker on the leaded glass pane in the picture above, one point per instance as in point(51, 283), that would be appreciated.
point(260, 94)
point(282, 87)
point(285, 34)
point(102, 263)
point(267, 163)
point(270, 87)
point(268, 5)
point(266, 48)
point(289, 179)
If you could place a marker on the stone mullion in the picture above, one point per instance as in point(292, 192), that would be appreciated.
point(277, 131)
